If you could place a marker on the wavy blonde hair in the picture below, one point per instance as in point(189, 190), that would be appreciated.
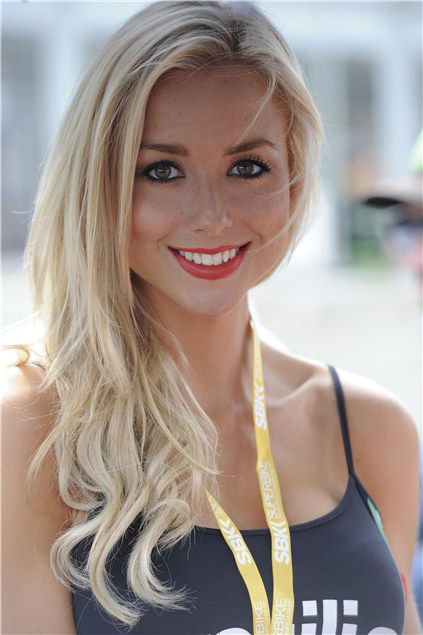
point(129, 436)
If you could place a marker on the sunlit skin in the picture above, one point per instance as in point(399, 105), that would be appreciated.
point(209, 206)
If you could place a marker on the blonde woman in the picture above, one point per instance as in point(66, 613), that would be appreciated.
point(185, 476)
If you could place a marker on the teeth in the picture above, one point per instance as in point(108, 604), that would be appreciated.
point(210, 259)
point(205, 259)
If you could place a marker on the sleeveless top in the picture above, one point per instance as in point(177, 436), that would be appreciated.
point(346, 580)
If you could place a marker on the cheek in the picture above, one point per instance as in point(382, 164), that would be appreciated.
point(268, 214)
point(270, 220)
point(150, 219)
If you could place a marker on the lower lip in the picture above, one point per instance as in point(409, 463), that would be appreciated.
point(212, 272)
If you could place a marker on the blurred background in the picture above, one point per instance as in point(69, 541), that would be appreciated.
point(352, 293)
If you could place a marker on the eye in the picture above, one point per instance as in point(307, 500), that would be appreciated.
point(246, 171)
point(163, 169)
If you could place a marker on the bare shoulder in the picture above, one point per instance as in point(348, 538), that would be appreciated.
point(382, 429)
point(386, 448)
point(30, 523)
point(28, 415)
point(20, 389)
point(379, 421)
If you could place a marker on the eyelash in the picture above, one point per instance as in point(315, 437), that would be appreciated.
point(253, 158)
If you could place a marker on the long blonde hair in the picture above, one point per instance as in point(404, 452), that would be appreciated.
point(129, 436)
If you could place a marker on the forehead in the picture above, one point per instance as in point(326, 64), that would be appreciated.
point(221, 99)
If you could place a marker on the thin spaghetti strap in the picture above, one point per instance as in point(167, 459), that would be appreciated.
point(369, 503)
point(342, 417)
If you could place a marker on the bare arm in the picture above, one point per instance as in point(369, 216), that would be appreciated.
point(33, 601)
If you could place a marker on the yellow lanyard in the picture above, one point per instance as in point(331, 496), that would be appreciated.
point(283, 591)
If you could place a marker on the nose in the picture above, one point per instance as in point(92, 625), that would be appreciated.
point(210, 215)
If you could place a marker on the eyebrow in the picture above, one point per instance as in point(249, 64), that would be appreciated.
point(179, 149)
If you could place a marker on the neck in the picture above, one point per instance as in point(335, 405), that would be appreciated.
point(218, 350)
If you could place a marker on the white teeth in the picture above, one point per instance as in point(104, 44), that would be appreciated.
point(210, 259)
point(206, 259)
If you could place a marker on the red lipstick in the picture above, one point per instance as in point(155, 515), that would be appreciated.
point(212, 272)
point(204, 250)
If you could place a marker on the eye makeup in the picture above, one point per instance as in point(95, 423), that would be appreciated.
point(162, 163)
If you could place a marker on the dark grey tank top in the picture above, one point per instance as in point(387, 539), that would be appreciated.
point(346, 581)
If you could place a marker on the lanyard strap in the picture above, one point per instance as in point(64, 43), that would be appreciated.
point(281, 619)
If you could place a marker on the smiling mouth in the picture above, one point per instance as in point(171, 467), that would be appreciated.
point(211, 266)
point(210, 257)
point(205, 250)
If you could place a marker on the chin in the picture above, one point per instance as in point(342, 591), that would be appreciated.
point(208, 303)
point(209, 307)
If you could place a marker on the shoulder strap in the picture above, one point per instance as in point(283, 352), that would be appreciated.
point(342, 417)
point(367, 499)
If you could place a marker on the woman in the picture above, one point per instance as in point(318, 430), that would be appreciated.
point(183, 175)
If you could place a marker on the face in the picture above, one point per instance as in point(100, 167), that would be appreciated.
point(206, 198)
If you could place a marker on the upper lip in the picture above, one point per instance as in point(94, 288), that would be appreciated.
point(204, 250)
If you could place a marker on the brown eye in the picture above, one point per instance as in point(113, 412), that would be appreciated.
point(251, 167)
point(246, 168)
point(163, 171)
